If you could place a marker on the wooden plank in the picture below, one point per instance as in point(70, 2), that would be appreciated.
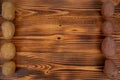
point(59, 40)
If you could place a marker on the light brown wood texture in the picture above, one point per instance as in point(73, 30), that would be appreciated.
point(59, 40)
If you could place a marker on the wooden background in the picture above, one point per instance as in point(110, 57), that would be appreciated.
point(59, 40)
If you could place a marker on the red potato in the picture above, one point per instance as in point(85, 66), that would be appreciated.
point(109, 47)
point(108, 9)
point(115, 23)
point(107, 28)
point(111, 70)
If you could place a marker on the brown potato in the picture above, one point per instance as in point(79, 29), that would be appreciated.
point(109, 47)
point(107, 28)
point(108, 9)
point(8, 10)
point(8, 51)
point(110, 69)
point(8, 29)
point(8, 68)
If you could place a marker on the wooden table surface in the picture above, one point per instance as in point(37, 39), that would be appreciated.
point(59, 40)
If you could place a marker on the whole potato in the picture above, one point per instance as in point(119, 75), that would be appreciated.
point(8, 68)
point(8, 10)
point(107, 28)
point(8, 29)
point(108, 9)
point(8, 51)
point(110, 69)
point(109, 47)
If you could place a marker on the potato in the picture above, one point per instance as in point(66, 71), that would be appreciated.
point(8, 68)
point(108, 10)
point(8, 10)
point(110, 69)
point(107, 28)
point(109, 47)
point(8, 51)
point(8, 29)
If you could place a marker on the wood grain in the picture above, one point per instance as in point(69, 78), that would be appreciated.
point(59, 40)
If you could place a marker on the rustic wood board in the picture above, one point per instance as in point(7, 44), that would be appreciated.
point(59, 40)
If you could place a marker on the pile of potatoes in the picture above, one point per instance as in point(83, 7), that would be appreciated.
point(109, 45)
point(8, 49)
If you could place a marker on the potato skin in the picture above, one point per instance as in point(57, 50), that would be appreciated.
point(8, 29)
point(8, 51)
point(8, 68)
point(8, 10)
point(110, 69)
point(108, 10)
point(109, 47)
point(107, 28)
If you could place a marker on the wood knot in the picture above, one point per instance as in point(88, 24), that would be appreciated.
point(58, 38)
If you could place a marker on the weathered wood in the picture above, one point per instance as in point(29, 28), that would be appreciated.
point(59, 40)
